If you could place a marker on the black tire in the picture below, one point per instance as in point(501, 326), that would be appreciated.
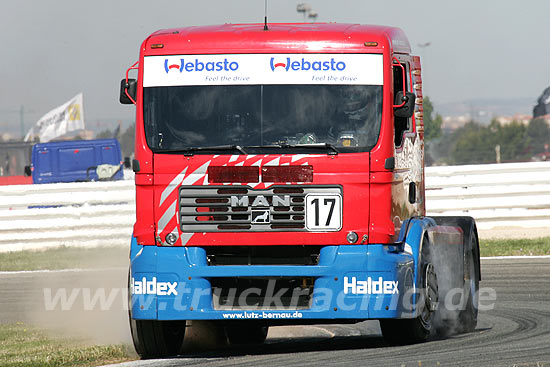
point(419, 329)
point(240, 333)
point(464, 318)
point(467, 317)
point(403, 331)
point(153, 338)
point(157, 339)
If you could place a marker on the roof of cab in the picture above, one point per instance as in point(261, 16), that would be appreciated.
point(281, 38)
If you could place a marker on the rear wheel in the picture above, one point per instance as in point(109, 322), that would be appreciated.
point(467, 317)
point(460, 309)
point(246, 333)
point(419, 329)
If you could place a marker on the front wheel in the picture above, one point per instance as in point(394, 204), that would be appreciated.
point(153, 338)
point(418, 329)
point(157, 339)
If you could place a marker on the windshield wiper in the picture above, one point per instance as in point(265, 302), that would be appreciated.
point(333, 150)
point(191, 150)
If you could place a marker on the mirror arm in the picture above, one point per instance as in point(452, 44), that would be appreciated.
point(396, 62)
point(133, 67)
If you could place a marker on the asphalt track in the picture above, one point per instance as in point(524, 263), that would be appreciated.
point(516, 332)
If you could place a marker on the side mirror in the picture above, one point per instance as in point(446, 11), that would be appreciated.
point(404, 104)
point(28, 171)
point(131, 88)
point(127, 163)
point(135, 165)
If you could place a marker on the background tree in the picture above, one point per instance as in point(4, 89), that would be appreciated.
point(105, 134)
point(432, 132)
point(538, 134)
point(512, 140)
point(432, 124)
point(126, 140)
point(475, 144)
point(472, 144)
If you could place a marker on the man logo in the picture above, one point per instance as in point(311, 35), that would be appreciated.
point(261, 217)
point(260, 200)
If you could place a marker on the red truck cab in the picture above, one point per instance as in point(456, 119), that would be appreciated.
point(378, 200)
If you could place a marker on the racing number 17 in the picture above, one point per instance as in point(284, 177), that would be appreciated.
point(331, 210)
point(323, 212)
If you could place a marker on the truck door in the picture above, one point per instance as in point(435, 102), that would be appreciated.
point(408, 153)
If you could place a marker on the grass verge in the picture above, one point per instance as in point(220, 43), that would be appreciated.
point(515, 247)
point(24, 346)
point(65, 258)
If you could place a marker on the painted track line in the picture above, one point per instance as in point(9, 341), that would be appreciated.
point(77, 270)
point(46, 271)
point(515, 257)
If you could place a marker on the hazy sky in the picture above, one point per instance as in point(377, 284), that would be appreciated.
point(52, 50)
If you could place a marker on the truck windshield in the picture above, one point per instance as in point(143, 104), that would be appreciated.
point(258, 118)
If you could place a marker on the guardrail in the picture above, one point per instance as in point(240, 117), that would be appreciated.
point(503, 196)
point(70, 214)
point(87, 214)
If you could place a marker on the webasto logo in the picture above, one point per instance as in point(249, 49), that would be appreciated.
point(370, 286)
point(196, 65)
point(303, 64)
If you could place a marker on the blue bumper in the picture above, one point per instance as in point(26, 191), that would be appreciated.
point(350, 282)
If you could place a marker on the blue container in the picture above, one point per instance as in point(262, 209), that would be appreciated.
point(71, 161)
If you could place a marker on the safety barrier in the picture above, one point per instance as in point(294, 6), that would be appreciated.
point(66, 214)
point(500, 196)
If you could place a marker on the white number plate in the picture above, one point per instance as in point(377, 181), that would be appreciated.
point(323, 212)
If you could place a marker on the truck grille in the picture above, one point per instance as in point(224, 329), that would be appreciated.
point(244, 209)
point(263, 255)
point(282, 293)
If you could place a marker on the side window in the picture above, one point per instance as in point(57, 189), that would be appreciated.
point(401, 124)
